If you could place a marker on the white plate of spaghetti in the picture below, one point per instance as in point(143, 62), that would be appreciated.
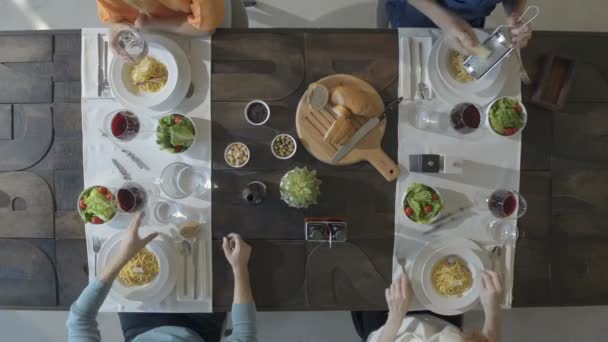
point(448, 288)
point(450, 277)
point(159, 82)
point(147, 277)
point(452, 72)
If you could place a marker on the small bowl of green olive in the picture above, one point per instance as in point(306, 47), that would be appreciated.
point(283, 146)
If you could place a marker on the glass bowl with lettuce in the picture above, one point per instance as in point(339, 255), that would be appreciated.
point(175, 133)
point(422, 203)
point(97, 205)
point(506, 116)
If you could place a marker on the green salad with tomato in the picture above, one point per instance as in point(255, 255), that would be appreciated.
point(422, 203)
point(175, 133)
point(506, 116)
point(97, 205)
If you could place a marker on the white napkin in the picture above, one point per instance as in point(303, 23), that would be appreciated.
point(410, 41)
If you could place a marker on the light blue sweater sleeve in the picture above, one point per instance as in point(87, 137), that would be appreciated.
point(82, 319)
point(243, 323)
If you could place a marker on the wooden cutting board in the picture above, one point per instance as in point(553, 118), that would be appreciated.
point(312, 126)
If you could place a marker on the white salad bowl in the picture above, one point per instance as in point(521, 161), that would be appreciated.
point(434, 219)
point(524, 113)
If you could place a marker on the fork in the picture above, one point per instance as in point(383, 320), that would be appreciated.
point(97, 242)
point(105, 85)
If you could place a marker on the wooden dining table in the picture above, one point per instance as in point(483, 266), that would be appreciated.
point(563, 240)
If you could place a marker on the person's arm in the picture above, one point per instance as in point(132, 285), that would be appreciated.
point(82, 319)
point(491, 293)
point(520, 34)
point(116, 11)
point(399, 299)
point(178, 25)
point(458, 33)
point(206, 16)
point(243, 307)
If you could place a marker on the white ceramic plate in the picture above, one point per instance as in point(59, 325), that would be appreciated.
point(473, 263)
point(474, 86)
point(172, 94)
point(417, 274)
point(452, 97)
point(158, 289)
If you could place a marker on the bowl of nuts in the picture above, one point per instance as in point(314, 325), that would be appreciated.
point(237, 154)
point(283, 146)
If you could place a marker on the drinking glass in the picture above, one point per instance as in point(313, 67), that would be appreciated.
point(121, 125)
point(128, 43)
point(504, 232)
point(131, 197)
point(426, 118)
point(163, 211)
point(502, 203)
point(180, 180)
point(465, 118)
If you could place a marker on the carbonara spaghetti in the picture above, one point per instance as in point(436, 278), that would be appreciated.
point(451, 279)
point(149, 75)
point(140, 270)
point(456, 67)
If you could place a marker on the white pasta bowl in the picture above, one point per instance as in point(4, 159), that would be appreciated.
point(453, 302)
point(473, 86)
point(146, 293)
point(174, 91)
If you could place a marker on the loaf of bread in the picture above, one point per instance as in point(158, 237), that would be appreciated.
point(358, 101)
point(340, 132)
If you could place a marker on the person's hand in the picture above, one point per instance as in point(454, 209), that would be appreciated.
point(399, 297)
point(237, 251)
point(131, 243)
point(491, 292)
point(520, 34)
point(459, 35)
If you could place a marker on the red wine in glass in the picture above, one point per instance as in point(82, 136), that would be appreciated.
point(465, 118)
point(502, 203)
point(130, 198)
point(124, 125)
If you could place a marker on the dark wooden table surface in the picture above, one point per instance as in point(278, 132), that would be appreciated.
point(560, 254)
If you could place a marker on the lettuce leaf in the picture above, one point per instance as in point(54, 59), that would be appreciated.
point(98, 205)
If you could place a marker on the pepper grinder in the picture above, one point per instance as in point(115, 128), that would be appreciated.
point(254, 193)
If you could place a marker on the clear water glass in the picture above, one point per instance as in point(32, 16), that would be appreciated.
point(180, 180)
point(504, 232)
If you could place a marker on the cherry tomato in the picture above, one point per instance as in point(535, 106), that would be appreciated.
point(409, 211)
point(178, 119)
point(509, 131)
point(518, 108)
point(434, 197)
point(179, 148)
point(82, 204)
point(102, 190)
point(96, 220)
point(428, 209)
point(109, 196)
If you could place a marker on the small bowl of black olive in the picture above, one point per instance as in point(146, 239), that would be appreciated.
point(257, 112)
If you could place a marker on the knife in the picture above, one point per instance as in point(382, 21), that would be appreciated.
point(362, 132)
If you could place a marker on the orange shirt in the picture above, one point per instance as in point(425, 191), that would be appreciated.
point(205, 15)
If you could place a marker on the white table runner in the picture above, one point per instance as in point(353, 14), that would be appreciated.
point(490, 162)
point(98, 153)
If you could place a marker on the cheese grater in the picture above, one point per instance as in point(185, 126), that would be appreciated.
point(499, 45)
